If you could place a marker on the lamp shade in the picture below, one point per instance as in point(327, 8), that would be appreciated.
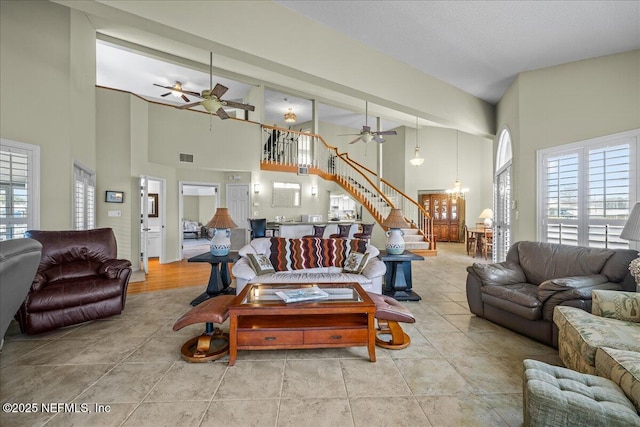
point(221, 219)
point(631, 230)
point(395, 220)
point(487, 213)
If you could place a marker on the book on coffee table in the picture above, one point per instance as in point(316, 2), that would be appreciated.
point(302, 294)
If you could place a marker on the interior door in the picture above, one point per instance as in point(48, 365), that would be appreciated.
point(238, 205)
point(144, 224)
point(502, 216)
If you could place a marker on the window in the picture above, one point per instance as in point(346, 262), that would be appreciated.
point(84, 198)
point(19, 188)
point(587, 190)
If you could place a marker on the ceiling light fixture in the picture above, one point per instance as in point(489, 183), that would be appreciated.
point(417, 160)
point(457, 192)
point(177, 89)
point(290, 116)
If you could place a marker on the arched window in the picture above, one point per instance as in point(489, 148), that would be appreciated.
point(504, 149)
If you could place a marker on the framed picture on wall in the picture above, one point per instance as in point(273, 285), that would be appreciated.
point(114, 197)
point(153, 205)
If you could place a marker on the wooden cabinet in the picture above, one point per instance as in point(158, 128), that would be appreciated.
point(448, 216)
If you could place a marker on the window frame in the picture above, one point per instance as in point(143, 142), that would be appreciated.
point(88, 177)
point(582, 149)
point(33, 178)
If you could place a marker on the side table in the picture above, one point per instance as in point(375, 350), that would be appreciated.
point(397, 279)
point(219, 279)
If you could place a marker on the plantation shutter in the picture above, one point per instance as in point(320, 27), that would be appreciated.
point(84, 201)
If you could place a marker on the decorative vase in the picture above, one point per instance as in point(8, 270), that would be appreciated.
point(395, 242)
point(220, 243)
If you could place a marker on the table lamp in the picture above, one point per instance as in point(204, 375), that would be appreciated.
point(221, 223)
point(631, 231)
point(395, 222)
point(487, 215)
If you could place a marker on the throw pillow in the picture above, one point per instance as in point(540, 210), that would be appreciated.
point(616, 305)
point(261, 264)
point(356, 262)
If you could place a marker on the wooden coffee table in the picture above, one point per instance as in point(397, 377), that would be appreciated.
point(260, 320)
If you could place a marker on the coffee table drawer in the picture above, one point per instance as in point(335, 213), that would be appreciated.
point(335, 336)
point(270, 338)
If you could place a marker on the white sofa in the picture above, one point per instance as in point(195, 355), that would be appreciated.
point(370, 278)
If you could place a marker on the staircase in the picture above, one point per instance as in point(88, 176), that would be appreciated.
point(287, 150)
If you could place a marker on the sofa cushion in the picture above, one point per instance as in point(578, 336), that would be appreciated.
point(75, 292)
point(543, 261)
point(307, 277)
point(617, 305)
point(519, 299)
point(299, 254)
point(555, 396)
point(580, 334)
point(623, 368)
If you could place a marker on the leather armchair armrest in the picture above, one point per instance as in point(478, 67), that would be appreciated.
point(374, 268)
point(549, 287)
point(113, 267)
point(503, 273)
point(574, 296)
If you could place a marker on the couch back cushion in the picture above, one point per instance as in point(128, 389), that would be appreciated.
point(69, 254)
point(544, 261)
point(298, 254)
point(617, 268)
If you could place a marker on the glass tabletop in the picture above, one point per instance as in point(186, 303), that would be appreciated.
point(302, 293)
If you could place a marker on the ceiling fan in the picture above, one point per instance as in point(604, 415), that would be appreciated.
point(178, 91)
point(366, 135)
point(212, 98)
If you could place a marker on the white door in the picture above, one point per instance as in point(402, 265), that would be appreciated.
point(238, 205)
point(144, 224)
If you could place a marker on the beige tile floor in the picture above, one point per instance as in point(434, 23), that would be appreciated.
point(459, 370)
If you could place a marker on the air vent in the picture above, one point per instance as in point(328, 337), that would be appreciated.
point(303, 170)
point(186, 158)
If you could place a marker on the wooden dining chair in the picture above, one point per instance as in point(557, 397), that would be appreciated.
point(471, 242)
point(487, 244)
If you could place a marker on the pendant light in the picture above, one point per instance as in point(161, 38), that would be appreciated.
point(417, 160)
point(457, 192)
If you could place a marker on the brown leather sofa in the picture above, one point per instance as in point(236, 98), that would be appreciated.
point(78, 279)
point(521, 292)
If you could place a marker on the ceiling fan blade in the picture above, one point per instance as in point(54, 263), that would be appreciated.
point(240, 105)
point(162, 86)
point(376, 138)
point(222, 114)
point(355, 140)
point(219, 90)
point(165, 94)
point(386, 132)
point(185, 106)
point(185, 98)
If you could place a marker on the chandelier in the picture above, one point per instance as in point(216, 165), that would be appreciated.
point(417, 160)
point(457, 192)
point(290, 116)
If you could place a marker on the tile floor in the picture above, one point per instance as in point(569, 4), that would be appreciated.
point(458, 371)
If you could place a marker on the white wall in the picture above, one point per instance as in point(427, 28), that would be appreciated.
point(564, 104)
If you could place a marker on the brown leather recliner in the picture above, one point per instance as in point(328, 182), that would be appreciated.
point(78, 279)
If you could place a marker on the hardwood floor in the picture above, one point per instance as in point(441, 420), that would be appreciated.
point(172, 275)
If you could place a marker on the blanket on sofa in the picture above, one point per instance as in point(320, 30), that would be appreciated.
point(298, 254)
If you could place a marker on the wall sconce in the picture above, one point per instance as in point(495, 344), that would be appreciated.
point(314, 190)
point(257, 188)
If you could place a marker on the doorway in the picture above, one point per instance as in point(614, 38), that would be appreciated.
point(152, 220)
point(198, 203)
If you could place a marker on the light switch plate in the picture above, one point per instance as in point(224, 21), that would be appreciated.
point(115, 213)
